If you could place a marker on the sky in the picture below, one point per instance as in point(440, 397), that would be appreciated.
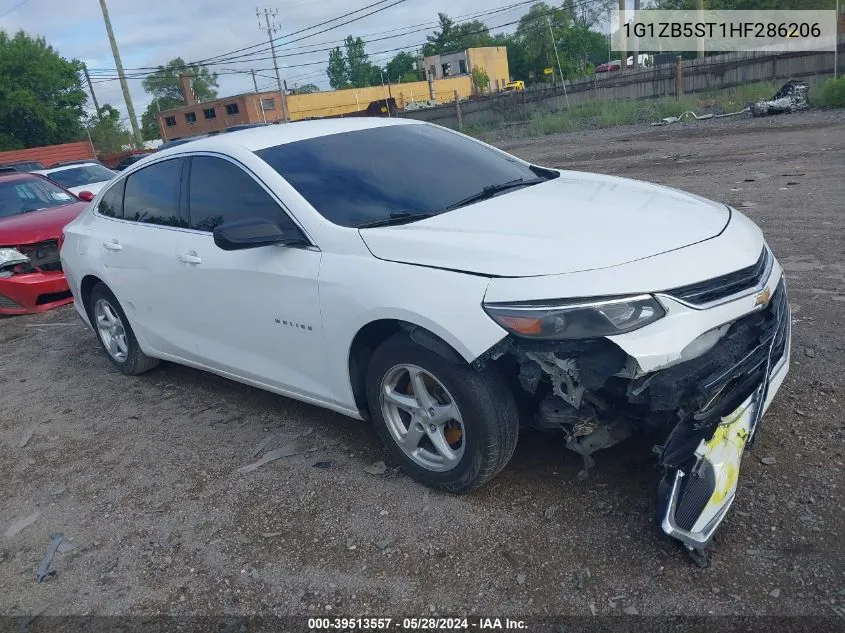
point(151, 32)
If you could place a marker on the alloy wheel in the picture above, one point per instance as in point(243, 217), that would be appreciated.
point(111, 330)
point(422, 417)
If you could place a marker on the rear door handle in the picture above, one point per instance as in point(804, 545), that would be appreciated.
point(190, 257)
point(112, 245)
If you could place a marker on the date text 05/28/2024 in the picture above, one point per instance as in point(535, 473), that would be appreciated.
point(416, 624)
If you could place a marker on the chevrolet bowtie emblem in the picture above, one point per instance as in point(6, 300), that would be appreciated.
point(763, 298)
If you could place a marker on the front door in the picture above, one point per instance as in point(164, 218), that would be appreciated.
point(253, 312)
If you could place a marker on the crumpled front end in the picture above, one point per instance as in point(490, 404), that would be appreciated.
point(703, 404)
point(31, 278)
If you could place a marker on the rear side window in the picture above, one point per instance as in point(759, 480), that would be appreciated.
point(152, 194)
point(220, 191)
point(111, 204)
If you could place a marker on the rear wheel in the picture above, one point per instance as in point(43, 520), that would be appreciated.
point(115, 334)
point(449, 426)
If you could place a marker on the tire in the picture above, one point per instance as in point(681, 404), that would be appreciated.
point(131, 360)
point(489, 423)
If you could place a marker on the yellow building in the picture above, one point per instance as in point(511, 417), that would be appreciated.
point(492, 60)
point(335, 102)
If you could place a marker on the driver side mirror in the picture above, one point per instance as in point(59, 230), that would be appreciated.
point(85, 196)
point(252, 233)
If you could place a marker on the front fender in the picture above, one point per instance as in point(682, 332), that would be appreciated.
point(356, 290)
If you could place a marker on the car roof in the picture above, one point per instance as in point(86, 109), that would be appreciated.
point(255, 139)
point(52, 170)
point(16, 176)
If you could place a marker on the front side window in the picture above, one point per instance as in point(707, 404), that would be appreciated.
point(111, 204)
point(190, 117)
point(220, 191)
point(371, 175)
point(81, 176)
point(268, 104)
point(152, 194)
point(170, 121)
point(232, 108)
point(22, 196)
point(209, 113)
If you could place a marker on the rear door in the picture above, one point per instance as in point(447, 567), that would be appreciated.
point(255, 312)
point(140, 252)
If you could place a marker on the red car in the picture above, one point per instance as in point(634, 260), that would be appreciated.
point(33, 212)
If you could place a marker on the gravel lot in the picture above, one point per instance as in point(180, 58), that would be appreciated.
point(140, 474)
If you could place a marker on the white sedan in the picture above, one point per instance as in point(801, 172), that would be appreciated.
point(79, 177)
point(449, 292)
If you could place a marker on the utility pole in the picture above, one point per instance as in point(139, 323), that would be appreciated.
point(699, 16)
point(554, 44)
point(260, 101)
point(623, 45)
point(130, 109)
point(381, 72)
point(270, 30)
point(636, 54)
point(91, 88)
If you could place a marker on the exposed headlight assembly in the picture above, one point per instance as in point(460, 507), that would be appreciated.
point(584, 318)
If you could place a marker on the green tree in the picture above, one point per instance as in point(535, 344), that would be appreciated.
point(350, 67)
point(456, 37)
point(41, 94)
point(164, 83)
point(149, 120)
point(107, 133)
point(480, 79)
point(337, 70)
point(402, 68)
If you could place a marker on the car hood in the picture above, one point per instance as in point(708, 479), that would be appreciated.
point(579, 221)
point(37, 226)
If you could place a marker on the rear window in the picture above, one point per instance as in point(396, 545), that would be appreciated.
point(21, 196)
point(359, 177)
point(81, 176)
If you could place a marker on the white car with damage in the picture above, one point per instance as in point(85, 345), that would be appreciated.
point(449, 292)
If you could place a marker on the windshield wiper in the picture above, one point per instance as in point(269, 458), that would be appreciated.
point(491, 190)
point(397, 217)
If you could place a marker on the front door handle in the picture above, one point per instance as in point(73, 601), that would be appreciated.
point(112, 245)
point(190, 257)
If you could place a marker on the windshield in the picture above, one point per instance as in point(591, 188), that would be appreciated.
point(21, 196)
point(368, 176)
point(81, 176)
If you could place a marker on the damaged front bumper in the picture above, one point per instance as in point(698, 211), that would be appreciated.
point(704, 400)
point(31, 279)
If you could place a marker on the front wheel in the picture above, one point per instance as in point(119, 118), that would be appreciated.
point(448, 425)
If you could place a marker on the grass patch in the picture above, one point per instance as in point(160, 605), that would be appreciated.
point(602, 114)
point(830, 94)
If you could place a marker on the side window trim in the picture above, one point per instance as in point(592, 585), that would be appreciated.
point(178, 157)
point(185, 192)
point(282, 207)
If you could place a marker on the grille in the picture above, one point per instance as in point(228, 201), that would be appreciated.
point(5, 302)
point(718, 381)
point(694, 496)
point(43, 255)
point(719, 288)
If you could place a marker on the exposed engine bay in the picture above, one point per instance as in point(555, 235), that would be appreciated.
point(704, 407)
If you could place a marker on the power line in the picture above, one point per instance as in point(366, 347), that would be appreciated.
point(17, 6)
point(340, 17)
point(486, 29)
point(227, 57)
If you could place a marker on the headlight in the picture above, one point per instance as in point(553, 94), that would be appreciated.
point(578, 319)
point(12, 256)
